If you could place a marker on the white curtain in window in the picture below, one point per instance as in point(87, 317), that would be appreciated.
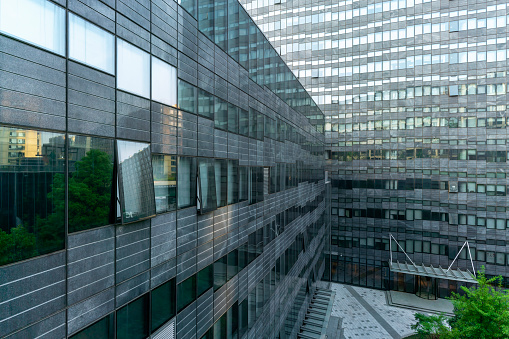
point(37, 21)
point(91, 44)
point(133, 69)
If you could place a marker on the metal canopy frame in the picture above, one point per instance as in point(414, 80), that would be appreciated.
point(430, 271)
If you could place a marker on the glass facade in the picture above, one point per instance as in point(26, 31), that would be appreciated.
point(136, 150)
point(415, 102)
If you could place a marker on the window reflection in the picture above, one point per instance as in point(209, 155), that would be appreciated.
point(207, 197)
point(164, 82)
point(136, 185)
point(32, 199)
point(133, 69)
point(186, 182)
point(37, 21)
point(165, 182)
point(90, 182)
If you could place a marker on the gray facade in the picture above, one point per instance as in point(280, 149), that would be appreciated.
point(415, 98)
point(102, 264)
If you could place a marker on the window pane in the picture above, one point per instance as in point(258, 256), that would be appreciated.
point(233, 116)
point(90, 182)
point(90, 44)
point(205, 279)
point(243, 183)
point(101, 329)
point(205, 104)
point(186, 182)
point(33, 193)
point(133, 69)
point(219, 272)
point(187, 96)
point(186, 292)
point(136, 185)
point(207, 196)
point(37, 21)
point(132, 319)
point(233, 181)
point(163, 305)
point(221, 181)
point(165, 182)
point(164, 82)
point(243, 122)
point(221, 114)
point(233, 264)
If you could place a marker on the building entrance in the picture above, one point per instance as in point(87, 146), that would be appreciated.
point(426, 287)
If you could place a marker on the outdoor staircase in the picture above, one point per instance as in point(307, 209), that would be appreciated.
point(317, 318)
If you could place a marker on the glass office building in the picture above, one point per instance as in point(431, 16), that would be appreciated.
point(161, 174)
point(415, 98)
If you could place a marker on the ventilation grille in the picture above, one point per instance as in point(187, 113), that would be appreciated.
point(166, 332)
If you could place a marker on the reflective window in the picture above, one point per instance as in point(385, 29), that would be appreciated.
point(90, 182)
point(205, 280)
point(187, 97)
point(243, 122)
point(133, 318)
point(133, 69)
point(207, 197)
point(233, 116)
point(206, 18)
point(165, 182)
point(136, 184)
point(186, 182)
point(104, 328)
point(233, 264)
point(32, 198)
point(189, 5)
point(221, 181)
point(233, 181)
point(37, 21)
point(205, 104)
point(186, 292)
point(220, 23)
point(90, 44)
point(243, 183)
point(220, 272)
point(163, 306)
point(221, 114)
point(164, 82)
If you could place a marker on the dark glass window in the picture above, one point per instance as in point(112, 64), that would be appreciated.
point(221, 114)
point(165, 182)
point(90, 182)
point(186, 182)
point(32, 195)
point(206, 18)
point(221, 23)
point(243, 317)
point(260, 126)
point(205, 104)
point(99, 330)
point(186, 292)
point(233, 181)
point(189, 5)
point(205, 280)
point(221, 174)
point(243, 256)
point(233, 264)
point(136, 185)
point(220, 328)
point(220, 272)
point(233, 29)
point(187, 96)
point(232, 321)
point(132, 319)
point(244, 21)
point(164, 304)
point(253, 123)
point(207, 197)
point(233, 118)
point(243, 122)
point(243, 183)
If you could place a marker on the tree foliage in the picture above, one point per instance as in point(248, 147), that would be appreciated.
point(481, 312)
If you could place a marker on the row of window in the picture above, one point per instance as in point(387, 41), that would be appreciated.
point(149, 312)
point(498, 175)
point(410, 31)
point(228, 117)
point(414, 214)
point(43, 23)
point(103, 190)
point(421, 153)
point(422, 246)
point(426, 109)
point(419, 122)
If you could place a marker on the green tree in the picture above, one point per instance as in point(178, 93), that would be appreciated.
point(430, 327)
point(482, 312)
point(17, 245)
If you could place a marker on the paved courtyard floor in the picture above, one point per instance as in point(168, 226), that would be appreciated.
point(366, 314)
